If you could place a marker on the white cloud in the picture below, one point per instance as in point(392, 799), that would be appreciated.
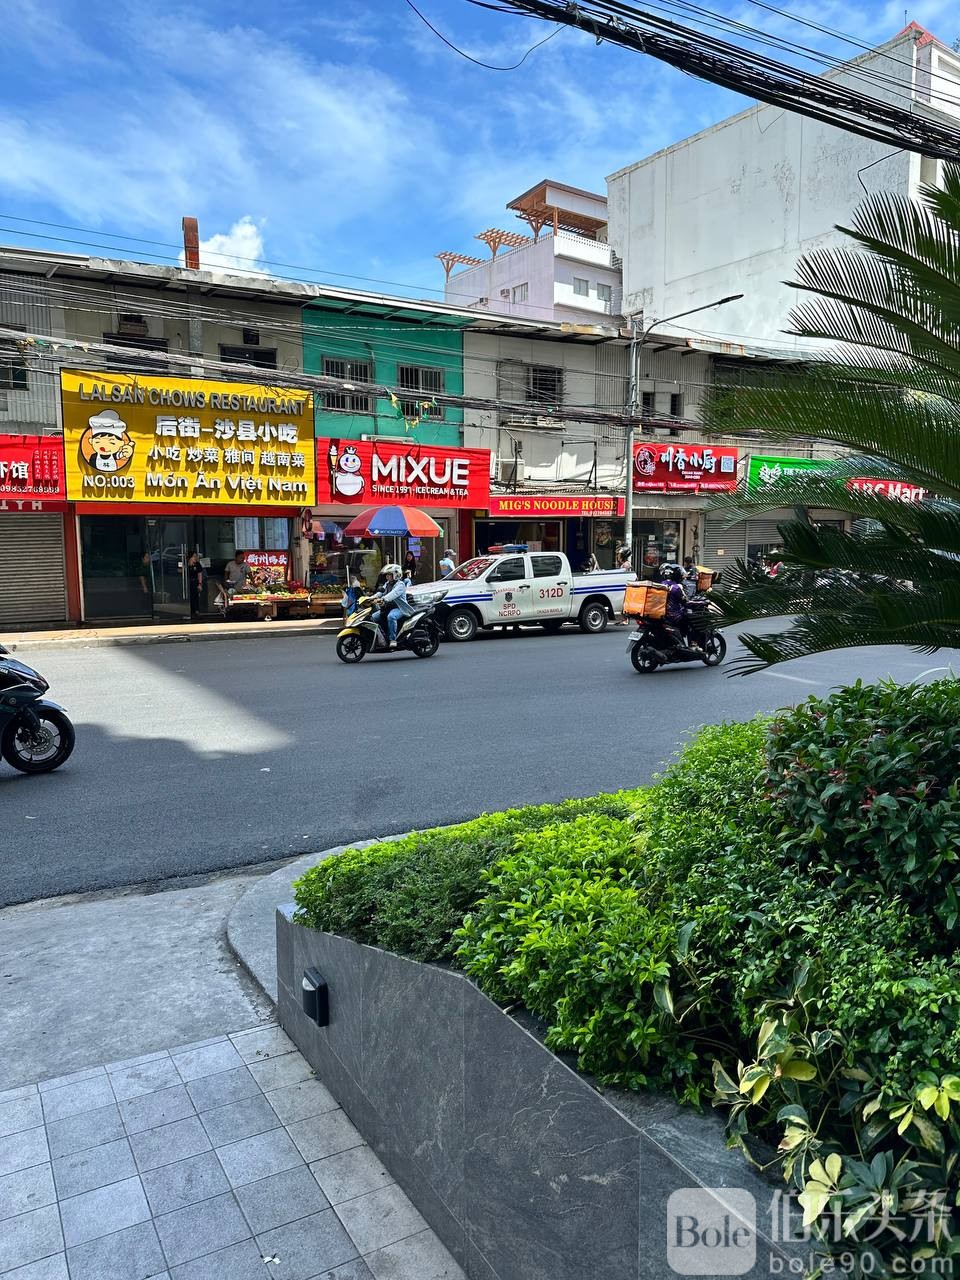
point(238, 250)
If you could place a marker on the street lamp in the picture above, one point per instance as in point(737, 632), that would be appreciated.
point(636, 345)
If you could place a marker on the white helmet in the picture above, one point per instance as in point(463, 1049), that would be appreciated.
point(393, 569)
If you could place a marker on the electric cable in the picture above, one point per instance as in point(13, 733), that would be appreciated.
point(469, 57)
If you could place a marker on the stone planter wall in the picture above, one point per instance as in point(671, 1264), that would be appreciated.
point(521, 1167)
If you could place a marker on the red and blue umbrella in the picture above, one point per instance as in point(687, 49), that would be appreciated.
point(393, 522)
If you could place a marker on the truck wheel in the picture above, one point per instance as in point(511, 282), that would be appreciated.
point(593, 617)
point(552, 627)
point(461, 625)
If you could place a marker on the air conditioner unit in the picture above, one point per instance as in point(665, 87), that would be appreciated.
point(131, 322)
point(504, 293)
point(482, 302)
point(510, 471)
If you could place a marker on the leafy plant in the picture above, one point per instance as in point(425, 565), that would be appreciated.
point(408, 895)
point(867, 785)
point(888, 389)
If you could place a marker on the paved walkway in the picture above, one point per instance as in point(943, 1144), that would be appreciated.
point(169, 633)
point(221, 1160)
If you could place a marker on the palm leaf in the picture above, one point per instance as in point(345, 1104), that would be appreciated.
point(888, 390)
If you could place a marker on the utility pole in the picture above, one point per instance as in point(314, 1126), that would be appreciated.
point(637, 341)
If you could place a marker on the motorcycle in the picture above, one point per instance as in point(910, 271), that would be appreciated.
point(420, 634)
point(659, 644)
point(36, 735)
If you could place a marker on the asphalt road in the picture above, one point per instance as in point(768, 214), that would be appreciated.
point(197, 757)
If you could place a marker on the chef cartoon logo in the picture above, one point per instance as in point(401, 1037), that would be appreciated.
point(105, 445)
point(345, 469)
point(645, 462)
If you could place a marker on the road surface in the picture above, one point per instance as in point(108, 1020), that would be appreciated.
point(196, 757)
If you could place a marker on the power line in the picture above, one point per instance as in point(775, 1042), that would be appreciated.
point(747, 72)
point(469, 57)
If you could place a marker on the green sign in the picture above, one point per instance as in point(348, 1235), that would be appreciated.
point(765, 472)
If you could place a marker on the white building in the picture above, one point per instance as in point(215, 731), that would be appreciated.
point(731, 209)
point(564, 271)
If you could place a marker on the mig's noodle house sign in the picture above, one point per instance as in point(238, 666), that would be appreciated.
point(138, 439)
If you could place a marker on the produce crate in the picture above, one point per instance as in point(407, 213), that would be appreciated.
point(645, 600)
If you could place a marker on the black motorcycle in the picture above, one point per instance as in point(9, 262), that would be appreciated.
point(36, 735)
point(659, 644)
point(419, 634)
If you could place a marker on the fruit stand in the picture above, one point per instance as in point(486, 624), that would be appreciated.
point(267, 593)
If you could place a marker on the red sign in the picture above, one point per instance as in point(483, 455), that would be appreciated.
point(267, 559)
point(370, 473)
point(895, 490)
point(31, 470)
point(554, 505)
point(698, 468)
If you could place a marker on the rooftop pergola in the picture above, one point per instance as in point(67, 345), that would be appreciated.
point(495, 239)
point(534, 208)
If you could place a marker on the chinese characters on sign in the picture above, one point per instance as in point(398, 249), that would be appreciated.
point(31, 473)
point(696, 468)
point(267, 559)
point(137, 438)
point(371, 472)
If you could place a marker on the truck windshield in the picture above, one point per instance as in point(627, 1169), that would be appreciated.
point(471, 569)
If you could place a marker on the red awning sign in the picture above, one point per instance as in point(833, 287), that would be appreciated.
point(700, 468)
point(31, 467)
point(367, 473)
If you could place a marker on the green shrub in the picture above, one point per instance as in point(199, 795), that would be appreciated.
point(565, 930)
point(867, 784)
point(409, 895)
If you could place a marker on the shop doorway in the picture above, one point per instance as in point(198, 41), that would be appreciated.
point(169, 543)
point(538, 535)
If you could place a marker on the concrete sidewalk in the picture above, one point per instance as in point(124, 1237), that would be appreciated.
point(104, 637)
point(143, 1135)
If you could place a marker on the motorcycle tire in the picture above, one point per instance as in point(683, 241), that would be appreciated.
point(642, 660)
point(714, 649)
point(424, 644)
point(350, 648)
point(15, 744)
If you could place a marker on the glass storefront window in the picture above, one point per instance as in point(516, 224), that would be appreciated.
point(655, 542)
point(539, 535)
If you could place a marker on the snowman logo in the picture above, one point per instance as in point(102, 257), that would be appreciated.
point(347, 480)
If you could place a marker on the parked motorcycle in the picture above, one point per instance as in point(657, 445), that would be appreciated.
point(36, 735)
point(420, 634)
point(660, 644)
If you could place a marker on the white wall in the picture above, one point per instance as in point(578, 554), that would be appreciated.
point(548, 266)
point(731, 209)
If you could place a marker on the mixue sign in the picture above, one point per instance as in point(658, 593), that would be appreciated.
point(374, 473)
point(698, 468)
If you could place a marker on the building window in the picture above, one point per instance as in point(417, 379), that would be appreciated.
point(135, 342)
point(260, 357)
point(581, 287)
point(427, 383)
point(544, 384)
point(13, 367)
point(349, 371)
point(605, 293)
point(676, 405)
point(520, 292)
point(648, 403)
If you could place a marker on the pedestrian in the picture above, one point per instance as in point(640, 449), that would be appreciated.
point(591, 564)
point(624, 565)
point(236, 573)
point(689, 577)
point(447, 564)
point(351, 595)
point(194, 582)
point(144, 572)
point(409, 566)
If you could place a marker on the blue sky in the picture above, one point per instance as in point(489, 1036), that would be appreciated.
point(338, 136)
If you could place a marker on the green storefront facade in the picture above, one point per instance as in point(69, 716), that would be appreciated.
point(412, 349)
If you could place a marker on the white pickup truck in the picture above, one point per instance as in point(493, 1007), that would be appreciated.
point(526, 588)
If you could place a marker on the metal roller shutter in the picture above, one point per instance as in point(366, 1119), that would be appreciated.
point(723, 546)
point(766, 532)
point(33, 585)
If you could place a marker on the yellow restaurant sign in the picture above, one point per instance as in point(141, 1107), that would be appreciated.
point(140, 439)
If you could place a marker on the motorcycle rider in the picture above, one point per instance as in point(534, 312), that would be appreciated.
point(394, 600)
point(676, 618)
